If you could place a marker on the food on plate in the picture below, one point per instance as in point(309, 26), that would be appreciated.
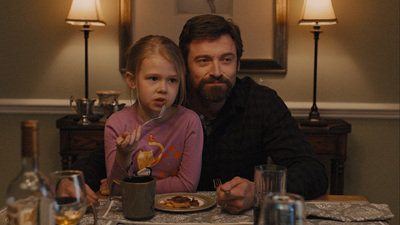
point(179, 202)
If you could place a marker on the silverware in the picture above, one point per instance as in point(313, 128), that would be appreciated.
point(155, 118)
point(158, 117)
point(106, 208)
point(217, 182)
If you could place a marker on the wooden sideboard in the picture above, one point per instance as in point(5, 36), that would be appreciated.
point(329, 142)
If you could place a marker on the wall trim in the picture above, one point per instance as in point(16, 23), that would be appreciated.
point(342, 110)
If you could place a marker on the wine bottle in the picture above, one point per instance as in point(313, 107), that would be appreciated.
point(30, 200)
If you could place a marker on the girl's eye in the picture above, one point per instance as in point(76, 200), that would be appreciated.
point(173, 80)
point(152, 78)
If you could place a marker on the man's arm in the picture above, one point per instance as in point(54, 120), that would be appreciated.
point(93, 167)
point(287, 146)
point(94, 170)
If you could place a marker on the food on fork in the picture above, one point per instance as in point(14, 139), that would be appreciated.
point(179, 202)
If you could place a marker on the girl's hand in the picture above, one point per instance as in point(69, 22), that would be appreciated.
point(126, 144)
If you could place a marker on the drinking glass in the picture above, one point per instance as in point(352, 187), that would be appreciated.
point(268, 178)
point(282, 209)
point(70, 196)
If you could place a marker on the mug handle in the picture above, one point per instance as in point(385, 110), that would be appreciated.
point(92, 208)
point(112, 189)
point(110, 198)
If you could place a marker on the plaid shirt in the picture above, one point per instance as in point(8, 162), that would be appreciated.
point(253, 125)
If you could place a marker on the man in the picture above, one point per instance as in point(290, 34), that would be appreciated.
point(244, 123)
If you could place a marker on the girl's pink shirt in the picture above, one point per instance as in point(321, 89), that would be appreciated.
point(177, 143)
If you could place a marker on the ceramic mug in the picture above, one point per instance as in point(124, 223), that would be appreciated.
point(138, 195)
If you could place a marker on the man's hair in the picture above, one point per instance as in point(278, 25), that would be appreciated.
point(209, 27)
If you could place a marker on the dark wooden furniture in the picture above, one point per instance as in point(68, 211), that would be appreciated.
point(77, 139)
point(329, 142)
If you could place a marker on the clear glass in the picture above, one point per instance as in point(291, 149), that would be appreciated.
point(70, 196)
point(282, 209)
point(267, 179)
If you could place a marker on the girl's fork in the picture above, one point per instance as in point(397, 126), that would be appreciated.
point(158, 117)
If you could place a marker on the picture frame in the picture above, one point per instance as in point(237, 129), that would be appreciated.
point(255, 62)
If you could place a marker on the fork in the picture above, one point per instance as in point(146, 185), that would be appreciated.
point(148, 121)
point(217, 182)
point(158, 117)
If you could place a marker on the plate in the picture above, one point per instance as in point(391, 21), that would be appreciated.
point(205, 202)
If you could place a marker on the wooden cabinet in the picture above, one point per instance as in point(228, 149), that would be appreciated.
point(77, 139)
point(329, 142)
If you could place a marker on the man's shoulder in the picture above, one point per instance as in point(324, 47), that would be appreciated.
point(249, 86)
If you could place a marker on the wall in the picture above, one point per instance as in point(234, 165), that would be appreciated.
point(42, 57)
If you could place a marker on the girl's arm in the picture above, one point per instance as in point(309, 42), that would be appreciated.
point(115, 171)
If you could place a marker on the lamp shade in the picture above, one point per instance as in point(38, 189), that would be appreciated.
point(85, 12)
point(318, 12)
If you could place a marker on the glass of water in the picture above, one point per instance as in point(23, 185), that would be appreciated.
point(282, 209)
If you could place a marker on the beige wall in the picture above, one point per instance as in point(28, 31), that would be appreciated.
point(41, 57)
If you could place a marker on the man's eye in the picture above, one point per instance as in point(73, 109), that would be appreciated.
point(227, 59)
point(202, 60)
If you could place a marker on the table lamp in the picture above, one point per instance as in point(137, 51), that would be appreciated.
point(86, 13)
point(316, 13)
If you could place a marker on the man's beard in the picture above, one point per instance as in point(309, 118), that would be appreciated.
point(214, 94)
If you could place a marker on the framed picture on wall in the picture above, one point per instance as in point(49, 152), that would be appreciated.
point(262, 24)
point(204, 6)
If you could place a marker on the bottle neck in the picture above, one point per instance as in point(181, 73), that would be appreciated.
point(30, 164)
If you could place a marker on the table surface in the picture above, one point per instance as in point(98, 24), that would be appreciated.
point(352, 205)
point(217, 216)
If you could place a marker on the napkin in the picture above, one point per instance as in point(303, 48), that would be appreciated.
point(350, 211)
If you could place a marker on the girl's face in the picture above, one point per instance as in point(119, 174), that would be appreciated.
point(156, 82)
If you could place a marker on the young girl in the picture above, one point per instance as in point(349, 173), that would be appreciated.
point(170, 146)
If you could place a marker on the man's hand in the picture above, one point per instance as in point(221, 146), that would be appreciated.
point(240, 196)
point(66, 188)
point(91, 196)
point(104, 190)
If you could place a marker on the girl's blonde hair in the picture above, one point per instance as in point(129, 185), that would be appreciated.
point(155, 44)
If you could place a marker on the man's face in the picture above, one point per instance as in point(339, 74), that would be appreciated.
point(212, 68)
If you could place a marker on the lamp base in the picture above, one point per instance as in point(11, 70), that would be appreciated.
point(314, 120)
point(314, 123)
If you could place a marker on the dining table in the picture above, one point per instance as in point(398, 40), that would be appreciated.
point(325, 210)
